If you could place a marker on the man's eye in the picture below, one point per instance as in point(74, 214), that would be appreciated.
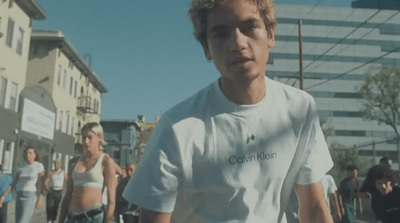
point(220, 34)
point(249, 29)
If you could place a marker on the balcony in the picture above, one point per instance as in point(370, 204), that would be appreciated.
point(87, 105)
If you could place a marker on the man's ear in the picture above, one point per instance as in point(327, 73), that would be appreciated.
point(271, 37)
point(207, 53)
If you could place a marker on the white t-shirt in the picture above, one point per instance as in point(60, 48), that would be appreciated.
point(329, 187)
point(28, 176)
point(210, 160)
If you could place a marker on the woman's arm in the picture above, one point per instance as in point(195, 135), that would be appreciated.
point(68, 194)
point(312, 204)
point(111, 184)
point(40, 185)
point(47, 180)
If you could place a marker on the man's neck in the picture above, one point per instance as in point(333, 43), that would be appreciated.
point(244, 93)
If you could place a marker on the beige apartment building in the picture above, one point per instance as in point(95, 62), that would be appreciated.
point(47, 90)
point(56, 66)
point(16, 19)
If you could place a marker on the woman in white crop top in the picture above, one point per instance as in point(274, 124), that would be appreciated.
point(54, 185)
point(86, 180)
point(29, 196)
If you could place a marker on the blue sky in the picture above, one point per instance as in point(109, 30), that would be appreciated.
point(142, 50)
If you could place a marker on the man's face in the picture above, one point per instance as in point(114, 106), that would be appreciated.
point(130, 170)
point(238, 41)
point(384, 186)
point(352, 174)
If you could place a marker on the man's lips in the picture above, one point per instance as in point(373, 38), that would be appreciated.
point(239, 60)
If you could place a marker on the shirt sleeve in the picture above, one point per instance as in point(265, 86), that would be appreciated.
point(154, 185)
point(40, 167)
point(316, 157)
point(332, 185)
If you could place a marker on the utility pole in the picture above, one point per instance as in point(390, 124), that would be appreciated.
point(301, 57)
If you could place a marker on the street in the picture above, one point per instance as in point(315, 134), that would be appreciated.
point(40, 215)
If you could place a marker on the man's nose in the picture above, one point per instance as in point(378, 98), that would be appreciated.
point(238, 41)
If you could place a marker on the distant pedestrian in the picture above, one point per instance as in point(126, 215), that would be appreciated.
point(54, 184)
point(28, 175)
point(385, 182)
point(129, 212)
point(368, 189)
point(348, 195)
point(331, 198)
point(93, 171)
point(5, 182)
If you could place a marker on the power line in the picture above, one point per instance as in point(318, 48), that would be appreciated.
point(341, 40)
point(312, 9)
point(353, 69)
point(357, 40)
point(375, 143)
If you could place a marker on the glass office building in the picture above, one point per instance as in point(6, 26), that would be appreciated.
point(339, 46)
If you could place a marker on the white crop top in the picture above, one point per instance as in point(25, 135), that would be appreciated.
point(91, 178)
point(57, 180)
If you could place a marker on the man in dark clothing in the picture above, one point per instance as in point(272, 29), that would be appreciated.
point(385, 180)
point(368, 190)
point(348, 193)
point(129, 212)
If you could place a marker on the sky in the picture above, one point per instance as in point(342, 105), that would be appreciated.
point(144, 51)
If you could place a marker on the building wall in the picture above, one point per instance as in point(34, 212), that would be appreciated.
point(339, 46)
point(13, 61)
point(15, 28)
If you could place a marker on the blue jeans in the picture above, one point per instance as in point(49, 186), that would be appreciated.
point(349, 215)
point(25, 206)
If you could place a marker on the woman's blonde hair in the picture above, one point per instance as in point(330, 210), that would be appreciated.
point(200, 9)
point(97, 129)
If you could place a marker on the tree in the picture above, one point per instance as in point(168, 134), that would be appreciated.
point(380, 92)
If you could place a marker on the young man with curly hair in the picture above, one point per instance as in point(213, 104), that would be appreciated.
point(234, 151)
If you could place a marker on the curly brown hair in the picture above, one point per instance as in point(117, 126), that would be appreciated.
point(200, 9)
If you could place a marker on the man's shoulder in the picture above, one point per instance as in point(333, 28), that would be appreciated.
point(191, 106)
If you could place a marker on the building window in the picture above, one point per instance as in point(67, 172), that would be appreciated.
point(75, 89)
point(10, 32)
point(20, 41)
point(13, 97)
point(59, 75)
point(60, 120)
point(72, 126)
point(67, 124)
point(64, 123)
point(71, 85)
point(64, 81)
point(3, 87)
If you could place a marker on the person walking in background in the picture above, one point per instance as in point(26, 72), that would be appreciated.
point(54, 185)
point(369, 191)
point(82, 201)
point(234, 151)
point(348, 195)
point(28, 175)
point(331, 198)
point(5, 182)
point(129, 212)
point(385, 180)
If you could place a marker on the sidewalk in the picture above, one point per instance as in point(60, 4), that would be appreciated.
point(39, 216)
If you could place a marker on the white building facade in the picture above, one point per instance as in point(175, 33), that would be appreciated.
point(339, 46)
